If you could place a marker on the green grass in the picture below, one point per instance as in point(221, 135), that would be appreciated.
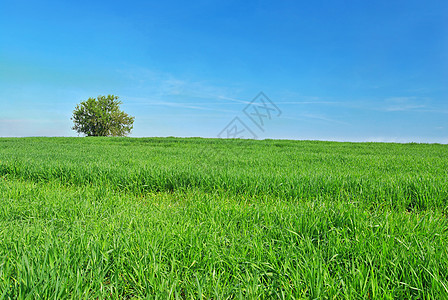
point(89, 218)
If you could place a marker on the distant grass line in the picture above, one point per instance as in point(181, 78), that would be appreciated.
point(404, 176)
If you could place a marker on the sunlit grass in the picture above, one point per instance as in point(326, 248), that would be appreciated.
point(196, 218)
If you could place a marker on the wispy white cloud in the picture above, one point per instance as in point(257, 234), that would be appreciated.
point(395, 104)
point(161, 84)
point(163, 89)
point(311, 102)
point(280, 102)
point(233, 99)
point(315, 116)
point(404, 104)
point(188, 105)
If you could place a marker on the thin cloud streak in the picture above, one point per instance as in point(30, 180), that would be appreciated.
point(319, 117)
point(188, 105)
point(308, 102)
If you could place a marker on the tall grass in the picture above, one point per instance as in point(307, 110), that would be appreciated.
point(202, 218)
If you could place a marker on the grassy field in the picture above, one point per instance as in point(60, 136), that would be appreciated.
point(89, 218)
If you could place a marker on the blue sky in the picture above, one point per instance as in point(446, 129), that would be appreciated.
point(337, 70)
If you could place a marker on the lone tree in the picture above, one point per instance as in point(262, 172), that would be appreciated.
point(102, 117)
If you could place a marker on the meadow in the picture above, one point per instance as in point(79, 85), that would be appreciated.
point(192, 218)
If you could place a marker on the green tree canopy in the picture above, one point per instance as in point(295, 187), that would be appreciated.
point(102, 117)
